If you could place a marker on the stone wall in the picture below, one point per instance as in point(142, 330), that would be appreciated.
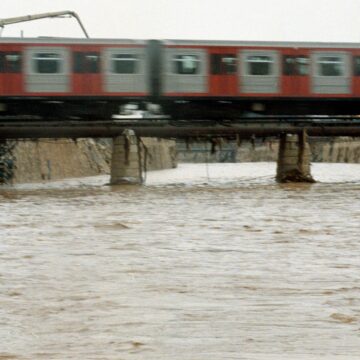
point(48, 159)
point(342, 149)
point(228, 151)
point(266, 150)
point(161, 154)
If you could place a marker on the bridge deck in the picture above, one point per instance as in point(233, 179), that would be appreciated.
point(21, 128)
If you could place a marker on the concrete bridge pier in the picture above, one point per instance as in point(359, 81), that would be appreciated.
point(293, 163)
point(126, 159)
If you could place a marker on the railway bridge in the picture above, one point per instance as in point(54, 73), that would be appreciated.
point(294, 153)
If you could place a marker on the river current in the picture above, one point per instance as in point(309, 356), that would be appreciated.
point(204, 262)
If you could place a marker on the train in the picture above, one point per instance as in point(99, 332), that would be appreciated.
point(95, 78)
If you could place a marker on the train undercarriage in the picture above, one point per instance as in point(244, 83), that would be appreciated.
point(205, 108)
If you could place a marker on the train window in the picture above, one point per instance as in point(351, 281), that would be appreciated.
point(259, 65)
point(357, 65)
point(124, 64)
point(86, 62)
point(222, 64)
point(186, 64)
point(303, 64)
point(331, 66)
point(47, 63)
point(295, 65)
point(10, 62)
point(289, 65)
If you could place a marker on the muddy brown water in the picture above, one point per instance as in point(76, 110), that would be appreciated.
point(203, 263)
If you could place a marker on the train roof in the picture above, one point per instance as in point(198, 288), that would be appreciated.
point(175, 42)
point(63, 40)
point(289, 44)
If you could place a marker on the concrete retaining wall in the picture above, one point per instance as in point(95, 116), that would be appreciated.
point(161, 154)
point(43, 160)
point(341, 150)
point(47, 159)
point(245, 151)
point(59, 159)
point(345, 150)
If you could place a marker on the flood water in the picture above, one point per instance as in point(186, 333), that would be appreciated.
point(204, 262)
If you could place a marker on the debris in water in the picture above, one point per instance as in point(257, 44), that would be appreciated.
point(345, 319)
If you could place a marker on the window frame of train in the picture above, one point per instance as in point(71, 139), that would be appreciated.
point(326, 66)
point(47, 63)
point(186, 64)
point(296, 65)
point(253, 68)
point(124, 64)
point(86, 62)
point(223, 64)
point(10, 62)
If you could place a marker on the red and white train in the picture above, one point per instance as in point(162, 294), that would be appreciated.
point(57, 77)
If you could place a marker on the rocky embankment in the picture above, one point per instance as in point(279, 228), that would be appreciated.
point(47, 159)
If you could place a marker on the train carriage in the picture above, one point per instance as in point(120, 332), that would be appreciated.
point(210, 79)
point(274, 78)
point(70, 77)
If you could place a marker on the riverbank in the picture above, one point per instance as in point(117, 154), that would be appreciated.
point(48, 159)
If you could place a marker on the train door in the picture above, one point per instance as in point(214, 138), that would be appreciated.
point(185, 72)
point(223, 73)
point(260, 72)
point(295, 74)
point(10, 73)
point(47, 70)
point(331, 73)
point(125, 71)
point(86, 73)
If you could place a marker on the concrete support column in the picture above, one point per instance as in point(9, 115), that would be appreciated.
point(294, 159)
point(125, 162)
